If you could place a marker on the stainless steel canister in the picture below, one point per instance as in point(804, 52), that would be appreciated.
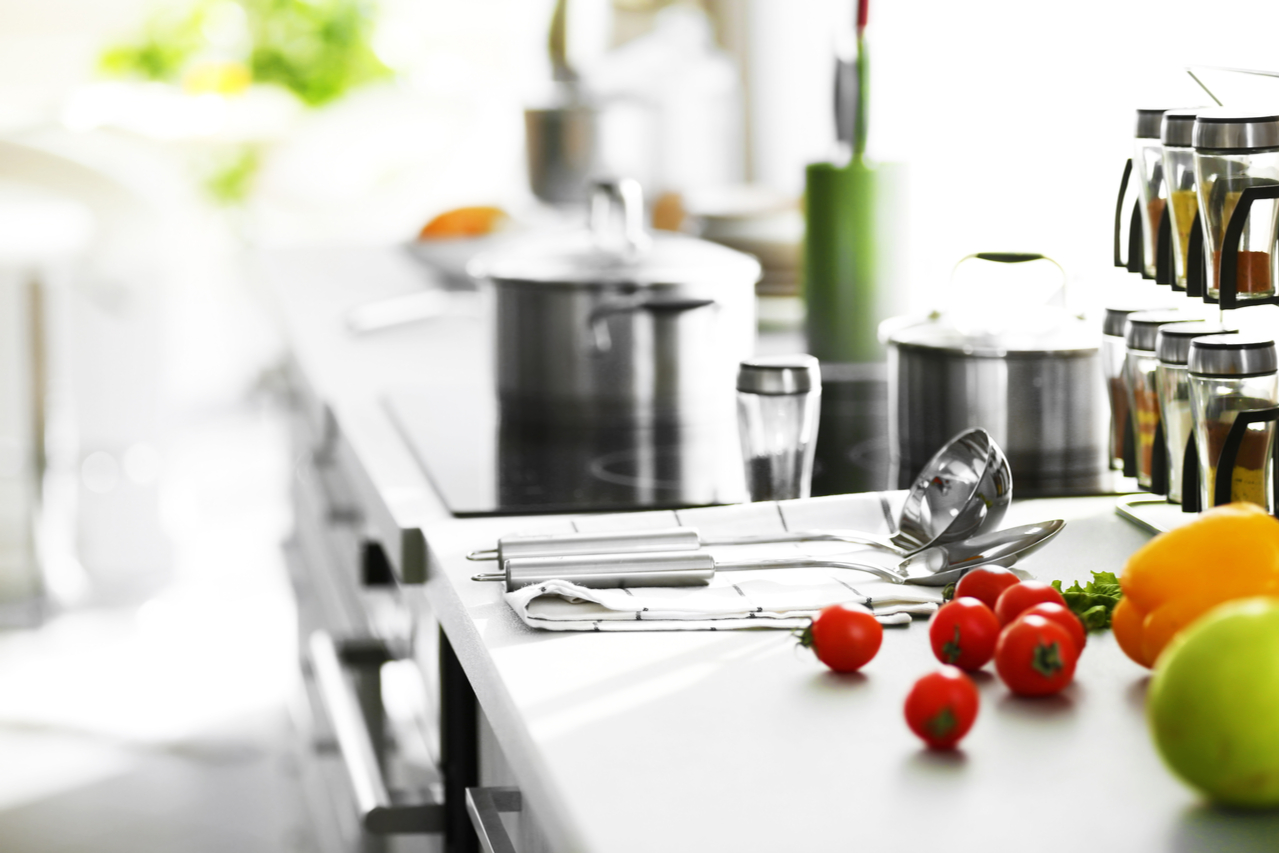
point(612, 325)
point(1033, 380)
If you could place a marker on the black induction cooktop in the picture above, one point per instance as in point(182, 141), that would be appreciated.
point(483, 462)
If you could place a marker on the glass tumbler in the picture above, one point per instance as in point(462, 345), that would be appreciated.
point(1236, 151)
point(1173, 342)
point(1229, 375)
point(778, 400)
point(1140, 381)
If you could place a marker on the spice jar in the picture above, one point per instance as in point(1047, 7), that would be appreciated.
point(1236, 151)
point(778, 399)
point(1144, 398)
point(1113, 359)
point(1149, 167)
point(1173, 343)
point(1232, 375)
point(1180, 182)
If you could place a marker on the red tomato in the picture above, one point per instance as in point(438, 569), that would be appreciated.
point(1035, 657)
point(964, 633)
point(1025, 595)
point(844, 637)
point(985, 583)
point(1064, 617)
point(941, 707)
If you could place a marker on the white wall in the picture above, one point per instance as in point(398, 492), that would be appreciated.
point(1015, 116)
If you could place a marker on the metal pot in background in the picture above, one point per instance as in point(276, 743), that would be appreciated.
point(1029, 374)
point(614, 326)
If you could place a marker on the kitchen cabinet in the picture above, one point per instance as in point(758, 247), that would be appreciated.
point(674, 741)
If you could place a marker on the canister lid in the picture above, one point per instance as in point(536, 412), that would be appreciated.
point(616, 249)
point(1113, 323)
point(1140, 328)
point(1173, 341)
point(779, 374)
point(1176, 126)
point(1232, 355)
point(1148, 124)
point(1228, 129)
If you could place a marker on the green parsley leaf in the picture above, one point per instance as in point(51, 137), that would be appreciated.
point(1094, 601)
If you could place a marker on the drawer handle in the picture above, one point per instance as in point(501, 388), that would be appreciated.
point(485, 806)
point(380, 813)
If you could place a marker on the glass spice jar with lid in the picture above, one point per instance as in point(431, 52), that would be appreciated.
point(1234, 376)
point(1149, 168)
point(1113, 361)
point(1237, 156)
point(1173, 344)
point(1140, 377)
point(1179, 163)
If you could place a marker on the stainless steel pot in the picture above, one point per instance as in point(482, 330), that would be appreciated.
point(1033, 379)
point(613, 325)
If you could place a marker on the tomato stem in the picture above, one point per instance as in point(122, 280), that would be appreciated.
point(1047, 659)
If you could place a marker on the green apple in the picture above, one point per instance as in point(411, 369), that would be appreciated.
point(1214, 703)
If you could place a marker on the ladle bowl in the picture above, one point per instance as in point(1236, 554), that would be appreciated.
point(962, 491)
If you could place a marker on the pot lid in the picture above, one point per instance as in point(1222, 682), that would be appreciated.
point(996, 322)
point(1033, 331)
point(615, 249)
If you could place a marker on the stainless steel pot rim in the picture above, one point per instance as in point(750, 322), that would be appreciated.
point(573, 260)
point(1081, 351)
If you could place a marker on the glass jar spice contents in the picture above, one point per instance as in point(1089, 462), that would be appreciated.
point(1180, 179)
point(1173, 343)
point(1144, 399)
point(1234, 151)
point(1231, 374)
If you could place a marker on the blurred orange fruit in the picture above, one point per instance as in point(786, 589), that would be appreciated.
point(464, 222)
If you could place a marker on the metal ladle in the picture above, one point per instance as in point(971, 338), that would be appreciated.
point(934, 566)
point(962, 491)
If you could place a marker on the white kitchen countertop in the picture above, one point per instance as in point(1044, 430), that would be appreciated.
point(695, 741)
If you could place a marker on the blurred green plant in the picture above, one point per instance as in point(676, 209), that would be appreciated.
point(167, 41)
point(228, 174)
point(317, 49)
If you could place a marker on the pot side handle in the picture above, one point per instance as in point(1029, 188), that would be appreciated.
point(597, 320)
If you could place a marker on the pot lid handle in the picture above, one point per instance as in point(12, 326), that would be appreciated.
point(1018, 258)
point(617, 217)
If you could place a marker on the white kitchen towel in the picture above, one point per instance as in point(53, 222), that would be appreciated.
point(787, 598)
point(776, 598)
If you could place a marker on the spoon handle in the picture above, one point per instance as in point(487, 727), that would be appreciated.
point(809, 563)
point(855, 537)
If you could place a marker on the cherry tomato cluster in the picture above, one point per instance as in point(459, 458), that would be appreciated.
point(1024, 626)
